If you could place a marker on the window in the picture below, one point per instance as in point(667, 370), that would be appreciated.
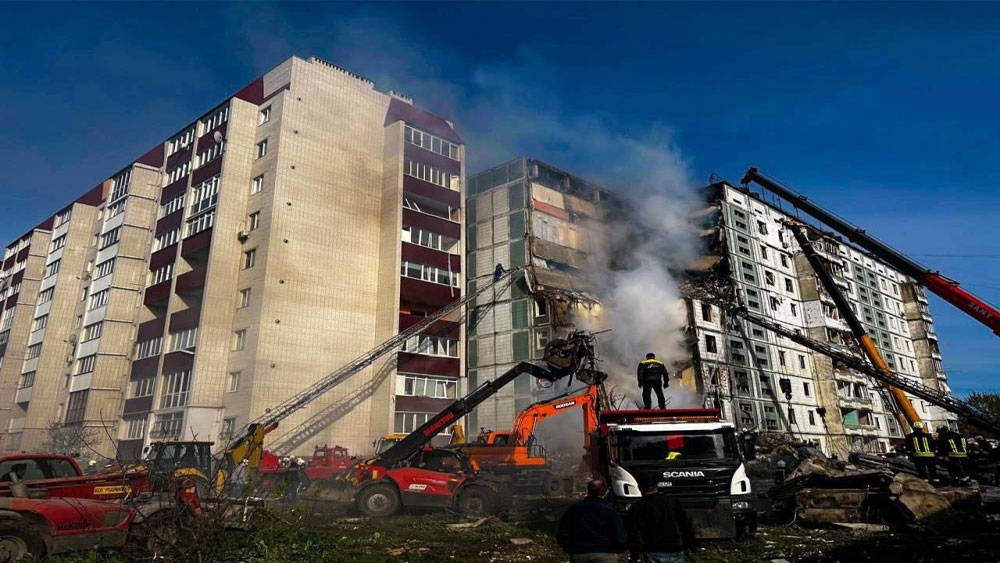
point(249, 258)
point(791, 416)
point(431, 346)
point(805, 388)
point(763, 252)
point(781, 357)
point(143, 387)
point(161, 274)
point(802, 361)
point(257, 185)
point(213, 152)
point(105, 268)
point(99, 299)
point(27, 380)
point(204, 196)
point(428, 273)
point(710, 344)
point(265, 116)
point(45, 296)
point(76, 406)
point(424, 238)
point(178, 172)
point(214, 120)
point(92, 331)
point(58, 242)
point(228, 428)
point(795, 311)
point(121, 183)
point(85, 364)
point(431, 174)
point(39, 323)
point(61, 218)
point(812, 418)
point(233, 381)
point(183, 339)
point(427, 386)
point(784, 260)
point(33, 351)
point(774, 303)
point(406, 422)
point(180, 142)
point(171, 205)
point(175, 389)
point(253, 221)
point(262, 148)
point(244, 298)
point(110, 237)
point(135, 428)
point(706, 312)
point(168, 425)
point(200, 223)
point(239, 340)
point(761, 227)
point(53, 268)
point(166, 239)
point(789, 287)
point(147, 348)
point(430, 142)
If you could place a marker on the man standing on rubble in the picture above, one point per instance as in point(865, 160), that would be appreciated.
point(918, 446)
point(592, 531)
point(652, 375)
point(952, 445)
point(659, 530)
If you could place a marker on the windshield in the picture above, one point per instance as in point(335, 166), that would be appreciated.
point(384, 444)
point(186, 455)
point(687, 446)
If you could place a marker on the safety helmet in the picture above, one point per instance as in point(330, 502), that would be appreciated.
point(91, 463)
point(300, 461)
point(918, 425)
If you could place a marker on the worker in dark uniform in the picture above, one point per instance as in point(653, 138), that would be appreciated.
point(652, 375)
point(953, 446)
point(919, 447)
point(498, 272)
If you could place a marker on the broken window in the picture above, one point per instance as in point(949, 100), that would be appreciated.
point(706, 312)
point(710, 344)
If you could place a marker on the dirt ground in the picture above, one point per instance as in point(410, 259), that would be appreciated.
point(325, 531)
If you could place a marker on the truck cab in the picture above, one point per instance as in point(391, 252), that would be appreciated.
point(690, 453)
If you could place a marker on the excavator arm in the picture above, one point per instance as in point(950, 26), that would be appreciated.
point(945, 288)
point(524, 424)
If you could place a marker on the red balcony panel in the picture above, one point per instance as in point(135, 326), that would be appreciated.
point(168, 223)
point(406, 403)
point(157, 294)
point(206, 172)
point(427, 293)
point(129, 450)
point(188, 318)
point(174, 190)
point(432, 158)
point(179, 157)
point(17, 278)
point(431, 191)
point(154, 157)
point(11, 301)
point(191, 282)
point(163, 256)
point(23, 254)
point(196, 243)
point(431, 365)
point(432, 223)
point(138, 405)
point(209, 138)
point(8, 262)
point(151, 329)
point(177, 361)
point(438, 328)
point(145, 367)
point(430, 257)
point(424, 120)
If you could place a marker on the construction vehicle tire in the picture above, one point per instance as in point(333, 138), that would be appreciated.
point(477, 501)
point(380, 499)
point(553, 485)
point(20, 541)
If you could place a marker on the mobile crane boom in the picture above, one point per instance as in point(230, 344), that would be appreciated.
point(910, 415)
point(852, 361)
point(941, 286)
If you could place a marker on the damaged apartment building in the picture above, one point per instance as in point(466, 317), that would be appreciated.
point(291, 227)
point(752, 257)
point(526, 213)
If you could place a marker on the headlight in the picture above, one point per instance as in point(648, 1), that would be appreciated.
point(741, 505)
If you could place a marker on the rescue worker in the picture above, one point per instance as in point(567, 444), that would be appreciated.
point(652, 376)
point(919, 447)
point(659, 531)
point(953, 446)
point(592, 531)
point(498, 272)
point(91, 468)
point(238, 480)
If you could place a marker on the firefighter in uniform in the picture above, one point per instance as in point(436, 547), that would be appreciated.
point(953, 446)
point(918, 446)
point(652, 376)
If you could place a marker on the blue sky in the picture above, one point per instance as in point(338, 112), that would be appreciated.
point(882, 112)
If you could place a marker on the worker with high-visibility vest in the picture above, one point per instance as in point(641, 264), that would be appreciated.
point(652, 376)
point(953, 446)
point(920, 447)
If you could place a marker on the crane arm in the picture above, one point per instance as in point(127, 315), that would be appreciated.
point(860, 334)
point(852, 361)
point(524, 424)
point(941, 286)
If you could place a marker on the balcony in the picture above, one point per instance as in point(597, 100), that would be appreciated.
point(431, 365)
point(427, 293)
point(205, 172)
point(191, 283)
point(432, 223)
point(428, 190)
point(431, 257)
point(145, 367)
point(439, 328)
point(198, 244)
point(157, 295)
point(138, 405)
point(23, 395)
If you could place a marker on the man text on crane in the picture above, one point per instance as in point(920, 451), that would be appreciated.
point(652, 376)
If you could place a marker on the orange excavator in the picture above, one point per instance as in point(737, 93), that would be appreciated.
point(516, 454)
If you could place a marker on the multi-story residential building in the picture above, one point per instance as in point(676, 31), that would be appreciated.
point(286, 231)
point(526, 213)
point(740, 365)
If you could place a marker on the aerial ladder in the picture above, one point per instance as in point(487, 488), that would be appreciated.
point(945, 288)
point(909, 414)
point(175, 458)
